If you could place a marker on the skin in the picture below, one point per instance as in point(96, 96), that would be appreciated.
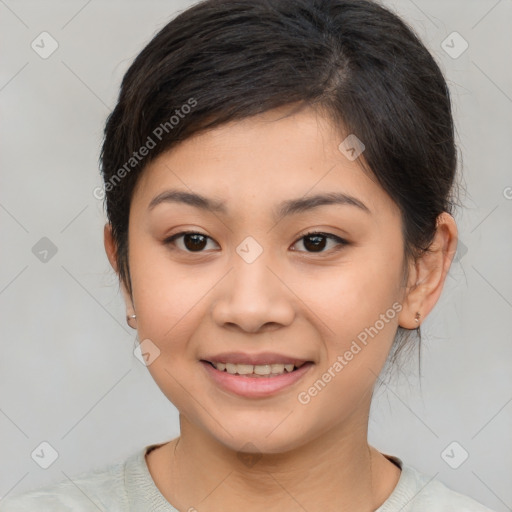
point(291, 299)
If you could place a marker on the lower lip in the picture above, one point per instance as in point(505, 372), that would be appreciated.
point(255, 387)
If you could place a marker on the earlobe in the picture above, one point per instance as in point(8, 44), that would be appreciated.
point(411, 314)
point(131, 317)
point(111, 250)
point(428, 276)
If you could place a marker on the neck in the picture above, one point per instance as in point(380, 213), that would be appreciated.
point(336, 471)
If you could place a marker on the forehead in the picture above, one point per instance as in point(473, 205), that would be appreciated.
point(262, 160)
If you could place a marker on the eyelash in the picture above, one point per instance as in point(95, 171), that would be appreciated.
point(330, 236)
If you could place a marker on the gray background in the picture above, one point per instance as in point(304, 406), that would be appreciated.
point(68, 375)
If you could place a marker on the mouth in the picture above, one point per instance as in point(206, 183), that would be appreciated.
point(252, 381)
point(256, 371)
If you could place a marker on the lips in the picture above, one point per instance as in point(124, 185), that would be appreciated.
point(255, 375)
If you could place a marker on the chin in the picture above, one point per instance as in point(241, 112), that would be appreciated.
point(252, 438)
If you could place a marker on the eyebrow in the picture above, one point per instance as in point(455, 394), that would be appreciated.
point(286, 208)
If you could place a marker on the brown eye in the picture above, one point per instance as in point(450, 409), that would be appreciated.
point(194, 242)
point(316, 242)
point(191, 241)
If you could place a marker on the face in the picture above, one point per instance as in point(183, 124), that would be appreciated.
point(250, 285)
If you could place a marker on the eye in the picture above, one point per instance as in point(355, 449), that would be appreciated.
point(192, 241)
point(315, 241)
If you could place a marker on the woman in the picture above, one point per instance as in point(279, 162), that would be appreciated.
point(278, 182)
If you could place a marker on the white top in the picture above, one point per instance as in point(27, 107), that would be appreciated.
point(128, 487)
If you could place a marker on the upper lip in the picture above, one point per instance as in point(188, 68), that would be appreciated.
point(254, 359)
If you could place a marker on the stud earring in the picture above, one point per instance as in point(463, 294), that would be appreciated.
point(417, 318)
point(130, 317)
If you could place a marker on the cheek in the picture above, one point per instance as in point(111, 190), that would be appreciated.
point(359, 310)
point(354, 302)
point(167, 298)
point(169, 303)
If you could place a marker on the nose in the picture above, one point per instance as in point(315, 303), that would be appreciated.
point(253, 297)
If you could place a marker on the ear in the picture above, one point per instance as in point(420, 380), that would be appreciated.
point(111, 250)
point(428, 273)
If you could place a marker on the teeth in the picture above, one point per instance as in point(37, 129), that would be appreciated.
point(279, 368)
point(242, 369)
point(231, 368)
point(258, 369)
point(263, 369)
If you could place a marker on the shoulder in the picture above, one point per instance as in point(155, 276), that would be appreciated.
point(418, 492)
point(436, 496)
point(98, 489)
